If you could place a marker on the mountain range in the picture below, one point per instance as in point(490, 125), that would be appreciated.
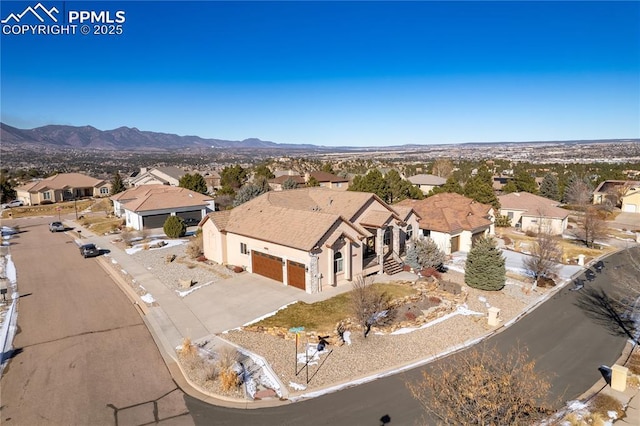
point(123, 139)
point(58, 137)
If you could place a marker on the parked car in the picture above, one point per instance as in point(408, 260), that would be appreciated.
point(89, 250)
point(7, 230)
point(56, 227)
point(14, 203)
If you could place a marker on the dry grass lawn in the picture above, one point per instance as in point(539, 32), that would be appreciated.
point(47, 209)
point(323, 316)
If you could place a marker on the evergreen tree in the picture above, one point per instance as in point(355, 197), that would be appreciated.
point(234, 176)
point(194, 182)
point(289, 184)
point(313, 182)
point(485, 267)
point(373, 181)
point(549, 187)
point(451, 185)
point(174, 227)
point(263, 170)
point(525, 182)
point(117, 186)
point(424, 253)
point(510, 187)
point(246, 193)
point(400, 189)
point(477, 189)
point(7, 193)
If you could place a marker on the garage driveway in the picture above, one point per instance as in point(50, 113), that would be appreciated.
point(624, 220)
point(233, 302)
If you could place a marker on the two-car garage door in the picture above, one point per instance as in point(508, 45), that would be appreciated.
point(272, 267)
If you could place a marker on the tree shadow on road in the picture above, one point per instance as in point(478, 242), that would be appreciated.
point(607, 311)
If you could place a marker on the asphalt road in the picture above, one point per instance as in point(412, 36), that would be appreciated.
point(83, 355)
point(570, 335)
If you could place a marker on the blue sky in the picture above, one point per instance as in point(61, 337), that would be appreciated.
point(334, 73)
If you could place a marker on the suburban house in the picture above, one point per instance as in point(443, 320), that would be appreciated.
point(426, 183)
point(453, 221)
point(62, 187)
point(611, 191)
point(533, 213)
point(324, 179)
point(212, 178)
point(149, 206)
point(631, 200)
point(156, 176)
point(310, 237)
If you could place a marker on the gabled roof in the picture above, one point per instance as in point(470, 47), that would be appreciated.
point(160, 197)
point(609, 185)
point(156, 173)
point(282, 179)
point(327, 177)
point(450, 213)
point(425, 179)
point(300, 218)
point(532, 205)
point(62, 181)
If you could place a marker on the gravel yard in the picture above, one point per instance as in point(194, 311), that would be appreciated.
point(364, 357)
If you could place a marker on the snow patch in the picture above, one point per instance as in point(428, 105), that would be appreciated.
point(148, 298)
point(191, 290)
point(270, 314)
point(296, 386)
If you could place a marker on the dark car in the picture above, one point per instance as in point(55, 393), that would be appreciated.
point(89, 250)
point(56, 227)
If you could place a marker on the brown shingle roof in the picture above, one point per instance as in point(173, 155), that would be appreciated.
point(532, 205)
point(157, 197)
point(327, 177)
point(61, 181)
point(450, 213)
point(298, 218)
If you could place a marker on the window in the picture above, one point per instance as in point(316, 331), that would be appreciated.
point(338, 184)
point(426, 232)
point(46, 195)
point(510, 215)
point(104, 191)
point(409, 232)
point(387, 237)
point(243, 248)
point(338, 262)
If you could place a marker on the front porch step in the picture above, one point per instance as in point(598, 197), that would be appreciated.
point(391, 267)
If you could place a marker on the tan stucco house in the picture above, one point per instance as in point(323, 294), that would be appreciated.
point(310, 238)
point(168, 175)
point(426, 182)
point(62, 187)
point(453, 221)
point(324, 179)
point(149, 206)
point(533, 213)
point(631, 200)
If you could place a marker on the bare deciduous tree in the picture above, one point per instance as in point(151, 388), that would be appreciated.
point(591, 228)
point(369, 305)
point(578, 193)
point(482, 386)
point(545, 256)
point(442, 167)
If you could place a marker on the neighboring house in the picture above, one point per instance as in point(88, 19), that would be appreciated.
point(611, 191)
point(426, 183)
point(500, 181)
point(212, 179)
point(149, 206)
point(309, 237)
point(453, 221)
point(631, 200)
point(533, 213)
point(62, 187)
point(326, 180)
point(157, 176)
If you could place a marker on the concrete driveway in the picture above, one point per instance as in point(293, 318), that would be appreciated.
point(629, 221)
point(236, 301)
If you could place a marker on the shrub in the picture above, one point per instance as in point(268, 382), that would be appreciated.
point(507, 240)
point(410, 316)
point(194, 248)
point(602, 404)
point(435, 299)
point(634, 363)
point(229, 378)
point(530, 233)
point(424, 253)
point(431, 272)
point(174, 227)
